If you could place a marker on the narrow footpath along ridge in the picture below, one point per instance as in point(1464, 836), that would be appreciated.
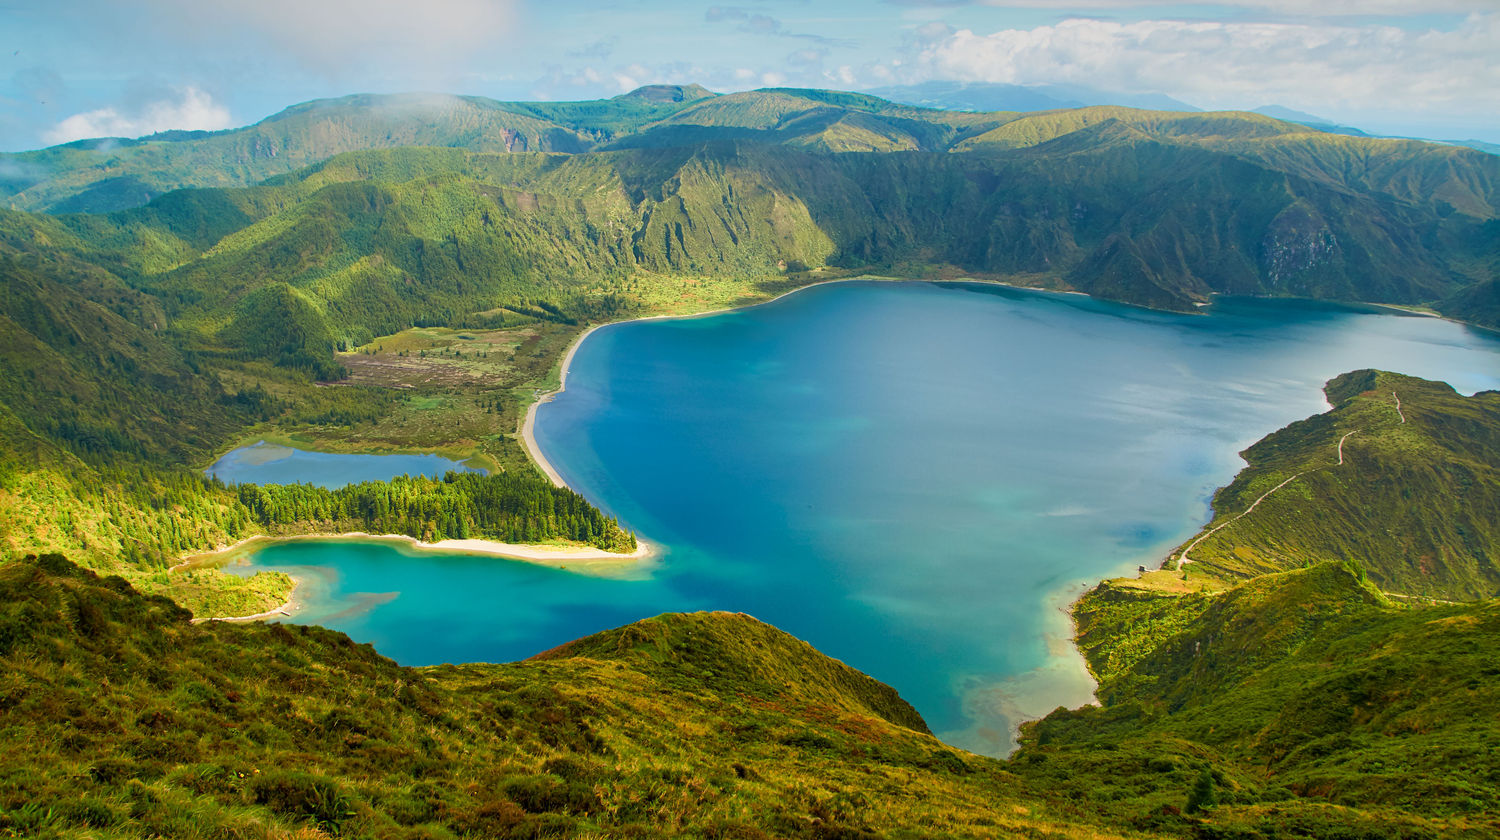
point(1184, 559)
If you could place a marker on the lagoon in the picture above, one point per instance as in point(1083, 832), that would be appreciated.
point(916, 478)
point(273, 463)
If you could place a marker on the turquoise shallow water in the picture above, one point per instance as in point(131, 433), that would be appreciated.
point(917, 478)
point(269, 463)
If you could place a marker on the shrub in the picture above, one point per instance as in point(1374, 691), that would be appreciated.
point(303, 795)
point(541, 794)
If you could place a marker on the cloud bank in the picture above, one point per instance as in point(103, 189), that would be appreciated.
point(331, 36)
point(195, 110)
point(1234, 64)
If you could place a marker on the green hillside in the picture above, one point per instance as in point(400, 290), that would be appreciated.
point(1313, 706)
point(1240, 700)
point(1161, 209)
point(1416, 500)
point(125, 720)
point(95, 176)
point(382, 273)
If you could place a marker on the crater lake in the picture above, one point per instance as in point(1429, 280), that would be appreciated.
point(917, 478)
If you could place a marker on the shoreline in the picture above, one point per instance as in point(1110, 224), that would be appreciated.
point(541, 554)
point(286, 609)
point(553, 557)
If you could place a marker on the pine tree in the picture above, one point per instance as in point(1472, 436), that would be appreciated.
point(1202, 796)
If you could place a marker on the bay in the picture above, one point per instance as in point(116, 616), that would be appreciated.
point(916, 478)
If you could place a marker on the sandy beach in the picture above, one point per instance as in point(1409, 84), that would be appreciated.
point(549, 555)
point(553, 556)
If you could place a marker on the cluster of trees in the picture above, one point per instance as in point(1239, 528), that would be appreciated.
point(511, 507)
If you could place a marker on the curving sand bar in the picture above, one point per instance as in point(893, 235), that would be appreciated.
point(547, 555)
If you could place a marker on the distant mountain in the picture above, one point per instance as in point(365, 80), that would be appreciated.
point(987, 96)
point(112, 174)
point(669, 93)
point(1309, 120)
point(1478, 145)
point(1324, 124)
point(1158, 208)
point(1290, 115)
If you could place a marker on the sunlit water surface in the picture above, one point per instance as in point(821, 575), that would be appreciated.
point(916, 478)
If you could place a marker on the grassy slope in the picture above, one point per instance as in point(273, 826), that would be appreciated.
point(1318, 705)
point(1417, 503)
point(91, 176)
point(382, 240)
point(122, 720)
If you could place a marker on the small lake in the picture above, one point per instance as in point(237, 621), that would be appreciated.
point(916, 478)
point(271, 463)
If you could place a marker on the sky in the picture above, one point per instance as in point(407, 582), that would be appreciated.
point(83, 68)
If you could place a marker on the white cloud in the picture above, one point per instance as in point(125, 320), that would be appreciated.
point(340, 37)
point(195, 110)
point(1299, 8)
point(1312, 66)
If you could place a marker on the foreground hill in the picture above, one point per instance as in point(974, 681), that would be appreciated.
point(1301, 704)
point(122, 719)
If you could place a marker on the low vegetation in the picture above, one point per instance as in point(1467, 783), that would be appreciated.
point(1284, 682)
point(1416, 501)
point(1314, 705)
point(122, 719)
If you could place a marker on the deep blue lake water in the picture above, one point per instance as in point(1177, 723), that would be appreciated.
point(270, 463)
point(916, 478)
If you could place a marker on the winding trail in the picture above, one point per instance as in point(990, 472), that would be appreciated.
point(1341, 445)
point(1426, 598)
point(1184, 560)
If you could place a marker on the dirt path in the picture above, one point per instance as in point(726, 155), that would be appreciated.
point(1398, 407)
point(1341, 445)
point(1185, 559)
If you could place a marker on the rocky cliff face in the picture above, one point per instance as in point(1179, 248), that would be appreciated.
point(1297, 247)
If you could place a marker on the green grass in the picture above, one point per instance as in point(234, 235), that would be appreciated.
point(1417, 503)
point(124, 720)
